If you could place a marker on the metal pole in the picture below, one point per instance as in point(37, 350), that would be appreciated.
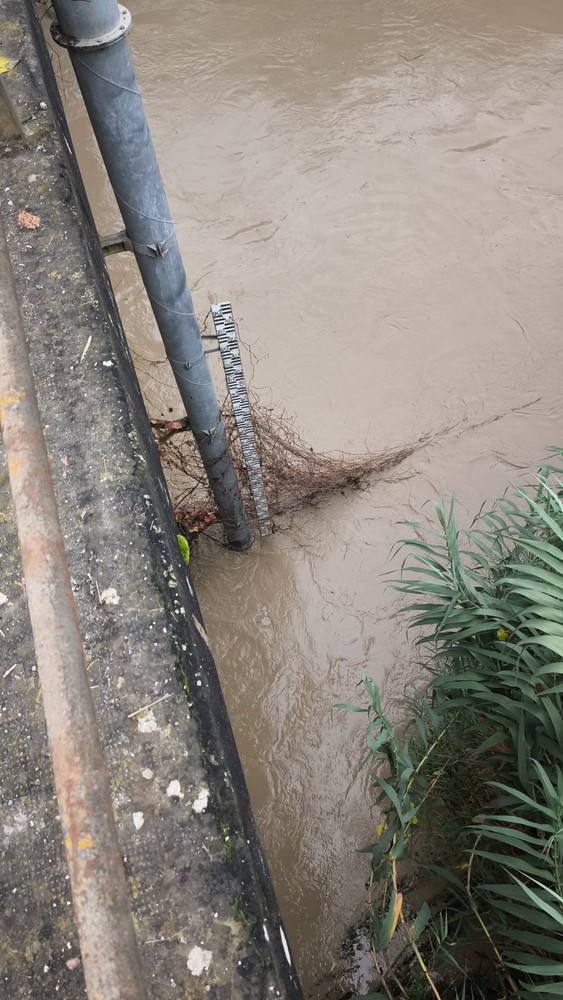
point(95, 35)
point(101, 902)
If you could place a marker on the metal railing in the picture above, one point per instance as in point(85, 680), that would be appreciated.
point(102, 912)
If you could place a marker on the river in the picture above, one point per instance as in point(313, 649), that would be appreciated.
point(376, 186)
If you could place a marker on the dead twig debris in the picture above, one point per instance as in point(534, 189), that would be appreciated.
point(145, 708)
point(295, 476)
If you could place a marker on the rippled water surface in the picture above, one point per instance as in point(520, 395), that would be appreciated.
point(377, 186)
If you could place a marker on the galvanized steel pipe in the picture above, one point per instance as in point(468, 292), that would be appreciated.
point(108, 945)
point(95, 36)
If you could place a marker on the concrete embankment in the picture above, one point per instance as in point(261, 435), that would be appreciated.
point(205, 914)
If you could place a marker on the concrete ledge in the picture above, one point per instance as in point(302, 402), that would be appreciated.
point(206, 916)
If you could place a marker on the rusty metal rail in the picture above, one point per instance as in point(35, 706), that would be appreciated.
point(108, 945)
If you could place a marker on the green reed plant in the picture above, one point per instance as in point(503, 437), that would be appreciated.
point(471, 789)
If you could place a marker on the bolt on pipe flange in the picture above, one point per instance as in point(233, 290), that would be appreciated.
point(121, 29)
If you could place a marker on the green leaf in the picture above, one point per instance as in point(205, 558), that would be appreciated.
point(548, 989)
point(184, 547)
point(515, 793)
point(521, 821)
point(499, 736)
point(392, 796)
point(536, 965)
point(421, 921)
point(518, 863)
point(511, 891)
point(541, 942)
point(551, 642)
point(387, 928)
point(535, 847)
point(528, 914)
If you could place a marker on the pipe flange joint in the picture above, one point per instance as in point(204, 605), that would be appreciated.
point(120, 30)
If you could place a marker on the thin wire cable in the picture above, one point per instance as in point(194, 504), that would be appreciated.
point(174, 312)
point(100, 76)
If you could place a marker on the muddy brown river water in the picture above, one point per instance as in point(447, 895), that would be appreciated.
point(377, 186)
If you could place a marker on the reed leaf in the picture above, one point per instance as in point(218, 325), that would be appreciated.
point(472, 785)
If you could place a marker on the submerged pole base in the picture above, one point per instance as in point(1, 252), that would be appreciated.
point(239, 544)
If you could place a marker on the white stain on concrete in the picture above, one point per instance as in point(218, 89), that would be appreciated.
point(174, 790)
point(199, 960)
point(110, 596)
point(138, 820)
point(147, 722)
point(200, 804)
point(17, 821)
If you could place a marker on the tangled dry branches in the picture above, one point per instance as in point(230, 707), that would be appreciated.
point(294, 475)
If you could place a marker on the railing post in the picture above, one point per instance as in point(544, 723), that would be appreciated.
point(95, 36)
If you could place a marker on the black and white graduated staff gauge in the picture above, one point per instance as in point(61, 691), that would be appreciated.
point(232, 363)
